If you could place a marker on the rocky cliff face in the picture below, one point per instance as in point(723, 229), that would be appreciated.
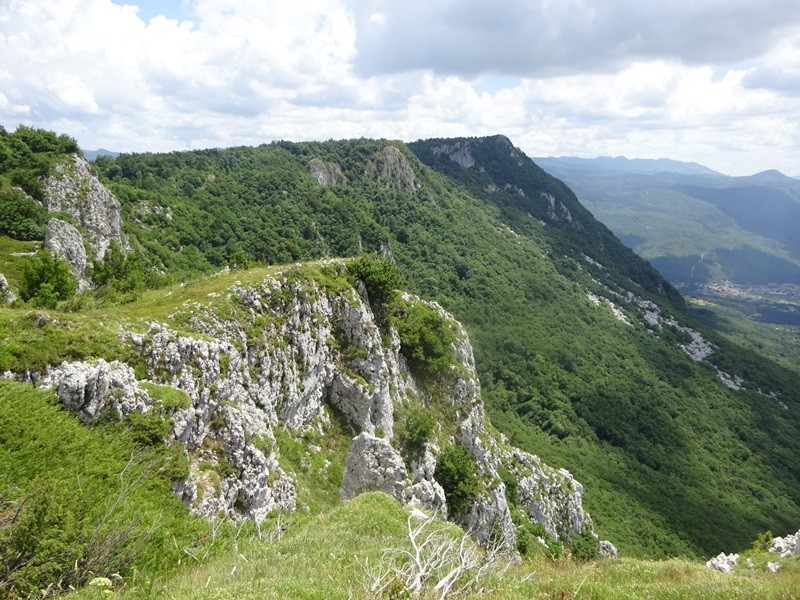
point(284, 355)
point(73, 189)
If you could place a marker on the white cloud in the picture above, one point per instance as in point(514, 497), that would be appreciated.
point(711, 81)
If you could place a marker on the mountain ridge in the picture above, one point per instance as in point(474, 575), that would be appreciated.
point(585, 354)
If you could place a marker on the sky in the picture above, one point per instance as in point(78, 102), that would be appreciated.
point(711, 81)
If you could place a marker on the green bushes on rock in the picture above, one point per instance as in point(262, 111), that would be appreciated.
point(47, 280)
point(456, 473)
point(379, 275)
point(426, 338)
point(21, 217)
point(416, 431)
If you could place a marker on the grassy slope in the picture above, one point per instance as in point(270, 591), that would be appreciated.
point(655, 438)
point(323, 556)
point(90, 501)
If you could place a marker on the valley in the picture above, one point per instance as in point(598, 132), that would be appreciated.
point(265, 306)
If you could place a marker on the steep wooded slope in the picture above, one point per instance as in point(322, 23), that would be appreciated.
point(674, 460)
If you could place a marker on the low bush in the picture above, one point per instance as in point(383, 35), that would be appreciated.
point(79, 502)
point(426, 338)
point(415, 432)
point(456, 473)
point(46, 280)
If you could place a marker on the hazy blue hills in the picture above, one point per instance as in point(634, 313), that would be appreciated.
point(605, 165)
point(696, 227)
point(93, 154)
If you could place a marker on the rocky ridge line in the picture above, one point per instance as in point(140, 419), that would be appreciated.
point(278, 356)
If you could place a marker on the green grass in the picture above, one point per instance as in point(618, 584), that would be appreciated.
point(80, 502)
point(12, 266)
point(34, 339)
point(323, 556)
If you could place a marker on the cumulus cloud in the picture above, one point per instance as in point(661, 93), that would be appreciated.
point(554, 37)
point(706, 80)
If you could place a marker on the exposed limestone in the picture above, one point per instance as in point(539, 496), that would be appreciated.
point(327, 173)
point(6, 293)
point(698, 348)
point(786, 546)
point(513, 188)
point(390, 168)
point(725, 563)
point(89, 389)
point(73, 189)
point(373, 465)
point(551, 497)
point(607, 549)
point(425, 490)
point(279, 355)
point(615, 310)
point(460, 153)
point(556, 211)
point(66, 242)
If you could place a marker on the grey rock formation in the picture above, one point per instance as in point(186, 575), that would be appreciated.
point(773, 567)
point(725, 563)
point(90, 389)
point(460, 153)
point(425, 490)
point(6, 293)
point(390, 168)
point(551, 497)
point(786, 546)
point(327, 173)
point(607, 550)
point(373, 465)
point(72, 188)
point(281, 354)
point(67, 243)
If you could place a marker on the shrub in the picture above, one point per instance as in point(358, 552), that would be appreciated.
point(46, 280)
point(583, 546)
point(148, 428)
point(379, 275)
point(21, 217)
point(528, 532)
point(456, 473)
point(417, 430)
point(119, 272)
point(426, 338)
point(78, 502)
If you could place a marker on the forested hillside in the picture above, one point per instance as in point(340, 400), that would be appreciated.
point(583, 349)
point(731, 243)
point(674, 461)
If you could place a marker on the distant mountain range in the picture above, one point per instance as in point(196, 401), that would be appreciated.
point(606, 165)
point(92, 154)
point(708, 233)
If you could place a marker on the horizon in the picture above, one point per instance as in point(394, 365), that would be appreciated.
point(533, 158)
point(716, 83)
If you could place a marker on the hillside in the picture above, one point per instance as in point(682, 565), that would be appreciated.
point(685, 443)
point(729, 241)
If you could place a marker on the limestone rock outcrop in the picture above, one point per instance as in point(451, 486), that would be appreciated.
point(373, 465)
point(6, 293)
point(786, 546)
point(725, 563)
point(90, 389)
point(281, 357)
point(73, 188)
point(391, 168)
point(327, 173)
